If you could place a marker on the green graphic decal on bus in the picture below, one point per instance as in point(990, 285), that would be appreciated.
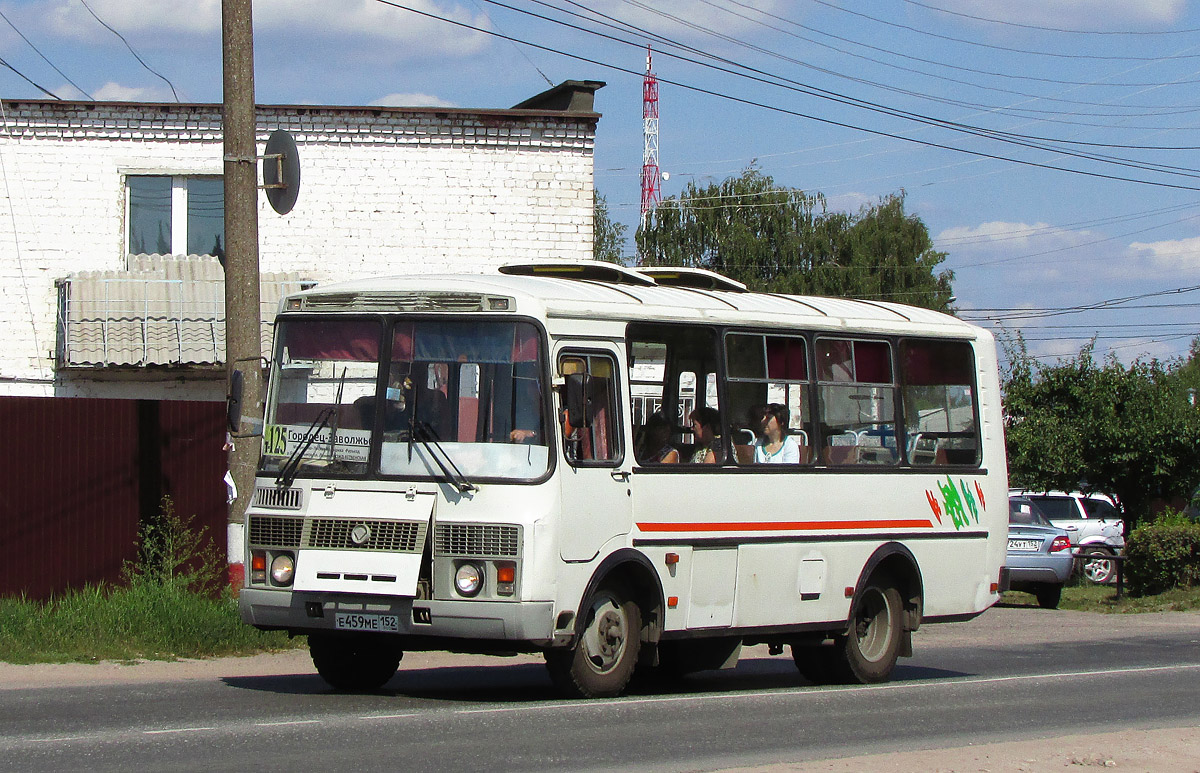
point(960, 503)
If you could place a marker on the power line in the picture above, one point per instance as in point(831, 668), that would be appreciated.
point(26, 78)
point(843, 99)
point(1046, 29)
point(1027, 52)
point(141, 61)
point(43, 56)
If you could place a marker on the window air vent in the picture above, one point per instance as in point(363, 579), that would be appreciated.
point(279, 498)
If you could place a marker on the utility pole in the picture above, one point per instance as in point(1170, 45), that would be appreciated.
point(242, 313)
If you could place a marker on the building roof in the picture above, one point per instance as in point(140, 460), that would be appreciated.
point(569, 99)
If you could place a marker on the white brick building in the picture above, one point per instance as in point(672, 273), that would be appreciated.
point(86, 186)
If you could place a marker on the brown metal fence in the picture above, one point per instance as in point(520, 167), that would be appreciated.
point(80, 473)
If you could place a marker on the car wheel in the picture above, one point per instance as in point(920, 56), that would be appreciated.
point(1048, 596)
point(1095, 566)
point(354, 663)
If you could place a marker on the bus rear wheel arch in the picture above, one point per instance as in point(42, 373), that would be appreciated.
point(866, 652)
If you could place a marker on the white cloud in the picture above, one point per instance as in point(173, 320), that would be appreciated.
point(1075, 14)
point(361, 26)
point(71, 19)
point(1169, 256)
point(411, 100)
point(115, 92)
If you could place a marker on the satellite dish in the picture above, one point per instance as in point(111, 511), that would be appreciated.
point(666, 176)
point(281, 171)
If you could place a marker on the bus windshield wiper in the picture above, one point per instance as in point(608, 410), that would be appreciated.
point(427, 438)
point(287, 473)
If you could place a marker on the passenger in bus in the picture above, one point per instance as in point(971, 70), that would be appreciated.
point(654, 446)
point(773, 446)
point(706, 423)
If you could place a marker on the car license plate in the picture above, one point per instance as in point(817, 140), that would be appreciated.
point(357, 621)
point(1025, 544)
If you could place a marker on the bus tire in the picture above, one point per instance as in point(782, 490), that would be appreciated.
point(354, 663)
point(867, 652)
point(601, 661)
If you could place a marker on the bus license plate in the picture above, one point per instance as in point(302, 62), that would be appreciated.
point(1025, 544)
point(357, 621)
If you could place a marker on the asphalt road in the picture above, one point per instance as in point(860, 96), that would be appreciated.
point(1012, 674)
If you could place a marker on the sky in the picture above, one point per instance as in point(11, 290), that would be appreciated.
point(1049, 146)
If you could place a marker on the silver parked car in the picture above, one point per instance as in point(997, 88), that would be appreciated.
point(1039, 554)
point(1093, 523)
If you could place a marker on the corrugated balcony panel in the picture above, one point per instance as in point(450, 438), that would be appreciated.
point(166, 310)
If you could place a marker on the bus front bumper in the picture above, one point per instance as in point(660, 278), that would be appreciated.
point(305, 612)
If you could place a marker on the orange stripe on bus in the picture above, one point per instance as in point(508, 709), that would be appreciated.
point(785, 526)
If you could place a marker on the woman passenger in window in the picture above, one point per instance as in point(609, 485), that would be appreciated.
point(772, 446)
point(706, 422)
point(655, 446)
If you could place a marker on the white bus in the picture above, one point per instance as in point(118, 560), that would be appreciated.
point(453, 463)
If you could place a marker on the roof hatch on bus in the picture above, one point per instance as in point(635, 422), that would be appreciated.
point(594, 270)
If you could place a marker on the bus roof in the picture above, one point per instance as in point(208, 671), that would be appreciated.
point(585, 290)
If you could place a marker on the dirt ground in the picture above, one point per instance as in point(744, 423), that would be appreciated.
point(1172, 750)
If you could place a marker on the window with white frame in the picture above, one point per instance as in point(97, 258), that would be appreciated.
point(175, 214)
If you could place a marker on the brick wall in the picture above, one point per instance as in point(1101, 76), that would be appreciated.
point(383, 191)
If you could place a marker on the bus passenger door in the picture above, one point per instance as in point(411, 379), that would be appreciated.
point(595, 471)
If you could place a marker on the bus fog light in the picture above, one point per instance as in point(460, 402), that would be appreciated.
point(468, 579)
point(282, 569)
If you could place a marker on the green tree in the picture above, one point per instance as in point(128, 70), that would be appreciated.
point(784, 240)
point(608, 236)
point(1124, 431)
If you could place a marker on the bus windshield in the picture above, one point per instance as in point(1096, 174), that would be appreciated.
point(407, 398)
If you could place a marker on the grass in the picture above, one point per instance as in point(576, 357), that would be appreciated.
point(1103, 598)
point(171, 605)
point(142, 622)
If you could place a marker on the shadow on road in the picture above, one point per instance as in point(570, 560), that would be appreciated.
point(529, 682)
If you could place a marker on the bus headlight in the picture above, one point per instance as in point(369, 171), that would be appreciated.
point(469, 579)
point(283, 567)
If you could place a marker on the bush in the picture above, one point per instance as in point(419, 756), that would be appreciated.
point(1163, 554)
point(175, 605)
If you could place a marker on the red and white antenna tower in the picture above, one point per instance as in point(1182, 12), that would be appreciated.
point(651, 174)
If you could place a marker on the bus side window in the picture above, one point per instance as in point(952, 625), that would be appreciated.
point(857, 402)
point(597, 438)
point(937, 380)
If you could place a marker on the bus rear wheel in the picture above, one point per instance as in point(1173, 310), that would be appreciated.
point(604, 655)
point(354, 663)
point(867, 652)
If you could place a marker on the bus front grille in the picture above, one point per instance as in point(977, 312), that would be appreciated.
point(470, 539)
point(340, 534)
point(275, 531)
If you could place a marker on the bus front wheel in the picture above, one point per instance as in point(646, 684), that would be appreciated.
point(603, 657)
point(354, 663)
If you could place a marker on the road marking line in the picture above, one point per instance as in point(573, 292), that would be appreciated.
point(293, 722)
point(177, 730)
point(801, 691)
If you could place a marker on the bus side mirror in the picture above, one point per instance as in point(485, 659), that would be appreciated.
point(233, 402)
point(578, 414)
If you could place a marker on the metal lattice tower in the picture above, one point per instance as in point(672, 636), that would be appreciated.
point(651, 174)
